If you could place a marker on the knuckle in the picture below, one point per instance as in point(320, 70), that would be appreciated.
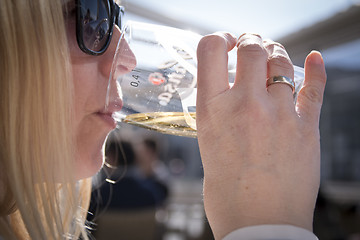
point(282, 61)
point(278, 45)
point(312, 93)
point(273, 45)
point(251, 49)
point(249, 34)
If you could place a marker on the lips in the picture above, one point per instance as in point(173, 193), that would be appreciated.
point(106, 114)
point(107, 118)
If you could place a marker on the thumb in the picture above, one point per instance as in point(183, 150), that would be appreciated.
point(311, 95)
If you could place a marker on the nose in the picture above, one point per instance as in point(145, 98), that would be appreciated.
point(119, 60)
point(124, 61)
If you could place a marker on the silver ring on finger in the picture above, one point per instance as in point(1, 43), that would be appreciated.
point(281, 79)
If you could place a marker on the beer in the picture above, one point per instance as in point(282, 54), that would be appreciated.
point(173, 123)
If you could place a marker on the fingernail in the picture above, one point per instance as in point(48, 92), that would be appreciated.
point(316, 57)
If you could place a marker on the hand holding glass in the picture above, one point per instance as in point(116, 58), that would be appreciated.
point(160, 93)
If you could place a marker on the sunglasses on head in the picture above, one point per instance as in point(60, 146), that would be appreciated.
point(95, 21)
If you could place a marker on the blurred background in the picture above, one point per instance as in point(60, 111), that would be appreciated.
point(159, 195)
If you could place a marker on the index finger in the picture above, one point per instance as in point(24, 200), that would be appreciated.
point(213, 64)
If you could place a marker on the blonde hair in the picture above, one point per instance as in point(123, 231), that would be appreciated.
point(42, 200)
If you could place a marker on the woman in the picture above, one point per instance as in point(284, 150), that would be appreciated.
point(261, 167)
point(53, 120)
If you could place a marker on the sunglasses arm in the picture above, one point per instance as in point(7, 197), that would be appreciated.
point(119, 14)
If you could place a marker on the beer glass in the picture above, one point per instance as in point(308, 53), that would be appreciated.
point(160, 92)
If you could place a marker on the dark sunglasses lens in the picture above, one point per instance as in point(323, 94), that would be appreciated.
point(95, 23)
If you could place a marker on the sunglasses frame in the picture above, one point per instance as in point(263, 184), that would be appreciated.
point(116, 17)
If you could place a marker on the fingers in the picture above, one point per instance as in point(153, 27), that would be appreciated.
point(311, 95)
point(213, 64)
point(257, 60)
point(279, 64)
point(251, 63)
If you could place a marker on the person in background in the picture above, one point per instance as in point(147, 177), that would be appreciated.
point(260, 151)
point(124, 184)
point(149, 162)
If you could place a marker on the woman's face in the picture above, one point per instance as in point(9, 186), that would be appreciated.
point(92, 121)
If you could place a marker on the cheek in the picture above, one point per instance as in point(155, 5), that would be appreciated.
point(89, 154)
point(90, 87)
point(89, 132)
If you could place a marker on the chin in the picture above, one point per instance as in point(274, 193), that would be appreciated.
point(89, 164)
point(88, 167)
point(90, 141)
